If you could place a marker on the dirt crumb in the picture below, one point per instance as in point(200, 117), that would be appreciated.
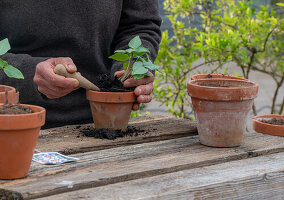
point(111, 134)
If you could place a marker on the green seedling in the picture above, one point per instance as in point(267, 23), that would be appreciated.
point(136, 60)
point(9, 70)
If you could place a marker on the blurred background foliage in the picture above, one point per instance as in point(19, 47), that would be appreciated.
point(213, 33)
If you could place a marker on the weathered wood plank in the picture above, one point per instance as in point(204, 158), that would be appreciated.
point(254, 178)
point(120, 164)
point(70, 140)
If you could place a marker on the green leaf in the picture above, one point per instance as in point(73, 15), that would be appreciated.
point(135, 42)
point(13, 72)
point(280, 4)
point(138, 76)
point(120, 51)
point(3, 63)
point(4, 46)
point(138, 68)
point(150, 65)
point(119, 57)
point(140, 51)
point(125, 65)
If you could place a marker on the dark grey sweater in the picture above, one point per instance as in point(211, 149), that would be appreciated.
point(88, 31)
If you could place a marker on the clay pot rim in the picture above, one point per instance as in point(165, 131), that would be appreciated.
point(257, 119)
point(224, 76)
point(265, 128)
point(193, 82)
point(222, 93)
point(23, 121)
point(111, 97)
point(10, 88)
point(40, 110)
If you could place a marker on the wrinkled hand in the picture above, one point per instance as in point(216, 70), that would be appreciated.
point(143, 90)
point(51, 84)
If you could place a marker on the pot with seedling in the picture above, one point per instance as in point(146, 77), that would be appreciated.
point(19, 127)
point(111, 110)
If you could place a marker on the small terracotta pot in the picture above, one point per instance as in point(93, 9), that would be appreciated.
point(111, 110)
point(221, 112)
point(222, 76)
point(18, 137)
point(262, 127)
point(13, 95)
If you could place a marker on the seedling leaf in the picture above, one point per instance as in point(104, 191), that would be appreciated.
point(4, 46)
point(135, 42)
point(119, 57)
point(138, 68)
point(13, 72)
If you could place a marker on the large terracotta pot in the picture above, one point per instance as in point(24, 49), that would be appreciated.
point(221, 112)
point(210, 76)
point(18, 137)
point(111, 110)
point(265, 128)
point(13, 95)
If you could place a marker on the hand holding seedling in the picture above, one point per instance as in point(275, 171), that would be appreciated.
point(136, 70)
point(51, 84)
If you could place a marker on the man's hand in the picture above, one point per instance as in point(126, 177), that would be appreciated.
point(51, 84)
point(143, 90)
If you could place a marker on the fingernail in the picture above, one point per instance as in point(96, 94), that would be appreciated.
point(76, 83)
point(71, 67)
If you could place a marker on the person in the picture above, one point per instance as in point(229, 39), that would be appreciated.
point(80, 35)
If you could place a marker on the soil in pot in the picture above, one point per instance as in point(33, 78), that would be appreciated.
point(111, 134)
point(212, 76)
point(13, 109)
point(111, 107)
point(106, 83)
point(274, 121)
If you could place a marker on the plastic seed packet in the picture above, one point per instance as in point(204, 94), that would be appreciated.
point(52, 158)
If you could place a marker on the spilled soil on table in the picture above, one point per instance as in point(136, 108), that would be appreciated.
point(13, 109)
point(274, 121)
point(111, 134)
point(106, 83)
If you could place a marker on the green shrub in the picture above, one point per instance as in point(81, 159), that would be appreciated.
point(230, 31)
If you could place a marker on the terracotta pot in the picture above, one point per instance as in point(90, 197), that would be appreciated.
point(262, 127)
point(111, 110)
point(205, 76)
point(18, 137)
point(221, 112)
point(13, 95)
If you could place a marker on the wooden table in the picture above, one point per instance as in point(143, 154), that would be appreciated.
point(165, 162)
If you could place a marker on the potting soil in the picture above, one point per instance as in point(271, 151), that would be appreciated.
point(10, 109)
point(274, 121)
point(106, 83)
point(111, 134)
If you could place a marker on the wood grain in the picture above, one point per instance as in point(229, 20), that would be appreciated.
point(253, 178)
point(110, 166)
point(70, 140)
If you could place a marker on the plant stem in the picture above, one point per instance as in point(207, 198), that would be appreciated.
point(275, 95)
point(128, 70)
point(281, 107)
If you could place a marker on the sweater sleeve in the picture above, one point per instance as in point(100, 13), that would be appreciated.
point(138, 18)
point(27, 65)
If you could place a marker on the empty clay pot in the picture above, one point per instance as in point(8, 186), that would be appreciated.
point(221, 112)
point(266, 128)
point(111, 110)
point(18, 137)
point(210, 76)
point(13, 95)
